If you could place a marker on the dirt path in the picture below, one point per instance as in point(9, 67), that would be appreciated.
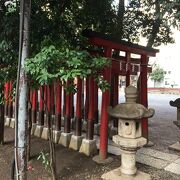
point(71, 165)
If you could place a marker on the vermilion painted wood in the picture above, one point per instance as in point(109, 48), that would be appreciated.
point(41, 93)
point(121, 47)
point(78, 122)
point(91, 99)
point(96, 111)
point(34, 100)
point(41, 106)
point(48, 89)
point(79, 98)
point(58, 105)
point(45, 106)
point(64, 102)
point(45, 96)
point(143, 89)
point(34, 106)
point(67, 120)
point(87, 99)
point(128, 69)
point(90, 121)
point(6, 91)
point(49, 98)
point(116, 90)
point(30, 97)
point(104, 113)
point(52, 99)
point(58, 97)
point(115, 94)
point(10, 104)
point(71, 105)
point(68, 104)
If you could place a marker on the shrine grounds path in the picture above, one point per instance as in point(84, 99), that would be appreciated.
point(162, 131)
point(72, 165)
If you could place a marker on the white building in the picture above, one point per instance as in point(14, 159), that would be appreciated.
point(169, 59)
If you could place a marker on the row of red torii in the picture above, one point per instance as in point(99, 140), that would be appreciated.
point(61, 105)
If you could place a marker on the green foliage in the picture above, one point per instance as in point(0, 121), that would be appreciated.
point(60, 23)
point(44, 158)
point(158, 74)
point(153, 20)
point(11, 6)
point(9, 25)
point(65, 64)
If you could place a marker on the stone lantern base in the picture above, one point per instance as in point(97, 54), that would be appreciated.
point(117, 175)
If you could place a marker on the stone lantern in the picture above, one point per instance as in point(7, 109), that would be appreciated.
point(176, 104)
point(129, 136)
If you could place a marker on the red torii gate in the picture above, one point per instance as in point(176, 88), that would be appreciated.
point(121, 65)
point(124, 66)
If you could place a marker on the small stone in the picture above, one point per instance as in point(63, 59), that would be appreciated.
point(65, 139)
point(45, 133)
point(76, 142)
point(12, 123)
point(7, 121)
point(88, 147)
point(56, 136)
point(38, 131)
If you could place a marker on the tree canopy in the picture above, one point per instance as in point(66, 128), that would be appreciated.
point(64, 20)
point(158, 74)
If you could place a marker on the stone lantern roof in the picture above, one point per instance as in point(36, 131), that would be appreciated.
point(130, 111)
point(175, 103)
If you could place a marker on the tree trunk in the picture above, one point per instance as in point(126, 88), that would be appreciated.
point(156, 25)
point(120, 18)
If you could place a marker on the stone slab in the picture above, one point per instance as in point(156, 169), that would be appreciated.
point(151, 161)
point(116, 175)
point(56, 136)
point(12, 123)
point(65, 139)
point(175, 146)
point(146, 156)
point(158, 154)
point(88, 147)
point(76, 142)
point(45, 133)
point(177, 161)
point(38, 131)
point(7, 121)
point(174, 168)
point(33, 128)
